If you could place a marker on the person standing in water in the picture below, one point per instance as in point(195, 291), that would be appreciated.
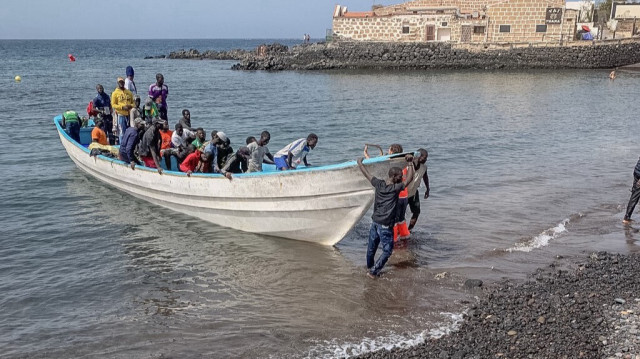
point(384, 213)
point(635, 194)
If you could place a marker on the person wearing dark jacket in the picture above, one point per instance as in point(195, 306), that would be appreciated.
point(237, 163)
point(635, 194)
point(130, 140)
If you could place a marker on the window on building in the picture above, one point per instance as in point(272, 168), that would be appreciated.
point(444, 24)
point(405, 29)
point(439, 11)
point(478, 29)
point(505, 28)
point(541, 28)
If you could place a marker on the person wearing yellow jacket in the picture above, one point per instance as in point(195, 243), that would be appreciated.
point(122, 102)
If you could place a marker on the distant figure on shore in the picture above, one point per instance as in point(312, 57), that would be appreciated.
point(612, 74)
point(384, 213)
point(635, 194)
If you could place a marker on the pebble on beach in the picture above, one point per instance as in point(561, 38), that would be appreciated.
point(558, 313)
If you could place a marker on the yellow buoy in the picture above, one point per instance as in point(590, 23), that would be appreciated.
point(18, 78)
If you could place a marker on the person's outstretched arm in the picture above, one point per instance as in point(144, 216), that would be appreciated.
point(425, 178)
point(364, 170)
point(410, 171)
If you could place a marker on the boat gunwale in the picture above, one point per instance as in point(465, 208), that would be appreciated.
point(58, 119)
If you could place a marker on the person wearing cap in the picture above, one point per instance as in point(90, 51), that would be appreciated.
point(122, 103)
point(129, 142)
point(237, 163)
point(136, 111)
point(129, 84)
point(102, 105)
point(159, 89)
point(71, 121)
point(150, 111)
point(292, 154)
point(223, 147)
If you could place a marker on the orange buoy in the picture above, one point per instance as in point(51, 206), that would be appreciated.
point(72, 58)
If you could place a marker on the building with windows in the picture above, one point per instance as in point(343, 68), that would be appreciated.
point(460, 21)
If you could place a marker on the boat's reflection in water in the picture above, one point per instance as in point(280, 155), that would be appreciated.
point(190, 279)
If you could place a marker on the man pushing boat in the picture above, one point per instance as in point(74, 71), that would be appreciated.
point(384, 213)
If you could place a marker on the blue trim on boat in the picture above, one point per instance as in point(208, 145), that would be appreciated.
point(58, 120)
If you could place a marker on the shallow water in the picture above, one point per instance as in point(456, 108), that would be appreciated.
point(524, 166)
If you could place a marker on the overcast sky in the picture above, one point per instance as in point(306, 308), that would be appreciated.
point(169, 19)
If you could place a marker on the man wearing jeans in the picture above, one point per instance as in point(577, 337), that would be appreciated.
point(635, 194)
point(384, 213)
point(122, 103)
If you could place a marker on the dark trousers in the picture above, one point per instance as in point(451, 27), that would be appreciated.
point(73, 128)
point(414, 205)
point(635, 196)
point(379, 233)
point(108, 129)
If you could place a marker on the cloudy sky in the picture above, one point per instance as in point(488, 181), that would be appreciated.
point(162, 19)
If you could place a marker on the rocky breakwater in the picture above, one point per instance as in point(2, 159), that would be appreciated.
point(589, 309)
point(235, 54)
point(434, 55)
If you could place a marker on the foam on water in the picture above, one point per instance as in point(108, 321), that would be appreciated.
point(336, 349)
point(542, 239)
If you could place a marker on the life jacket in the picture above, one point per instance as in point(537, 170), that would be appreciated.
point(70, 116)
point(90, 111)
point(405, 192)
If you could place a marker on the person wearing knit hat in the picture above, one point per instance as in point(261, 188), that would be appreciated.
point(129, 84)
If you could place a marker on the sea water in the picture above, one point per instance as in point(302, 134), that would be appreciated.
point(524, 166)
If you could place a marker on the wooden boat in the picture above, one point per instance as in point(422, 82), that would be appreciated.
point(315, 204)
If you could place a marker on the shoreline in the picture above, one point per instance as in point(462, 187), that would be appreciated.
point(424, 55)
point(576, 308)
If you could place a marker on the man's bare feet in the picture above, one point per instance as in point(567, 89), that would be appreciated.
point(627, 221)
point(371, 275)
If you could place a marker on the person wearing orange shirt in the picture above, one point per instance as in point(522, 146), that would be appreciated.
point(165, 134)
point(98, 135)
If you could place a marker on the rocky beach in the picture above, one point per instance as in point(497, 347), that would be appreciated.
point(422, 55)
point(585, 308)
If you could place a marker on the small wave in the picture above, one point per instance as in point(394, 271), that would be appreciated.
point(335, 349)
point(542, 239)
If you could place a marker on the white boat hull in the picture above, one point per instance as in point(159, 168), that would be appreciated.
point(319, 205)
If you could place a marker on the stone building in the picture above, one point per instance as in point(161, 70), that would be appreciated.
point(460, 21)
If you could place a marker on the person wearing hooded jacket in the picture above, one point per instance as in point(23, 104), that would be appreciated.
point(129, 84)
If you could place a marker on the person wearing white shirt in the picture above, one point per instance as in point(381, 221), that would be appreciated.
point(292, 154)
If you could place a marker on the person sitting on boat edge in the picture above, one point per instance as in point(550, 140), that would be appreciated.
point(258, 150)
point(185, 121)
point(71, 122)
point(211, 148)
point(201, 138)
point(122, 103)
point(102, 105)
point(295, 152)
point(225, 151)
point(237, 163)
point(149, 146)
point(384, 213)
point(130, 140)
point(196, 162)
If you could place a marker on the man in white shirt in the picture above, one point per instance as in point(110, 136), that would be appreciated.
point(295, 152)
